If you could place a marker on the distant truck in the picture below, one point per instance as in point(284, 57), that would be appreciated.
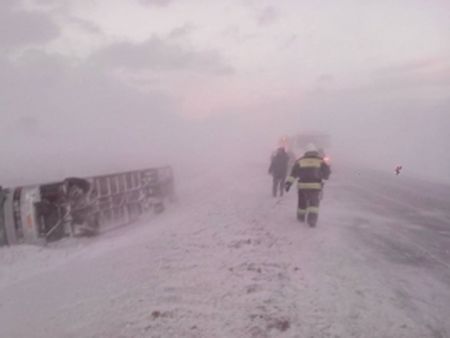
point(297, 143)
point(320, 140)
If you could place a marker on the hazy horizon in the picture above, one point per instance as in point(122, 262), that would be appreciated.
point(94, 86)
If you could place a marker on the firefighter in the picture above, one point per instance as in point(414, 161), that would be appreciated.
point(309, 171)
point(278, 169)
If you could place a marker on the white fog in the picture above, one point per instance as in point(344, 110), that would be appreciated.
point(209, 88)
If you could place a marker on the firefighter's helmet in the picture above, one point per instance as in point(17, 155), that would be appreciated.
point(310, 147)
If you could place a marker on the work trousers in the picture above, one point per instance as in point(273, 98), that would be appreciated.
point(308, 205)
point(278, 184)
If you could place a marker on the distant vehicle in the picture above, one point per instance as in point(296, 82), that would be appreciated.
point(296, 144)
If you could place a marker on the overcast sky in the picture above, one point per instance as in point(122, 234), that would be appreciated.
point(100, 85)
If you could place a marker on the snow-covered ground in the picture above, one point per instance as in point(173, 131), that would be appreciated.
point(228, 260)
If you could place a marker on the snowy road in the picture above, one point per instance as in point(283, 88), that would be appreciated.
point(229, 261)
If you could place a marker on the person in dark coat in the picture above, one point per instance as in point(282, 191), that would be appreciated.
point(278, 169)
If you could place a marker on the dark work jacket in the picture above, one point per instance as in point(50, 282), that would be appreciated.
point(279, 164)
point(310, 170)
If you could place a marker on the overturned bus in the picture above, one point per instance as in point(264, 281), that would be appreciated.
point(38, 214)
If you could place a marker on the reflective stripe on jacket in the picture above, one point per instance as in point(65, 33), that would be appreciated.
point(309, 171)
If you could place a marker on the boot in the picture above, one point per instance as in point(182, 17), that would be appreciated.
point(312, 219)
